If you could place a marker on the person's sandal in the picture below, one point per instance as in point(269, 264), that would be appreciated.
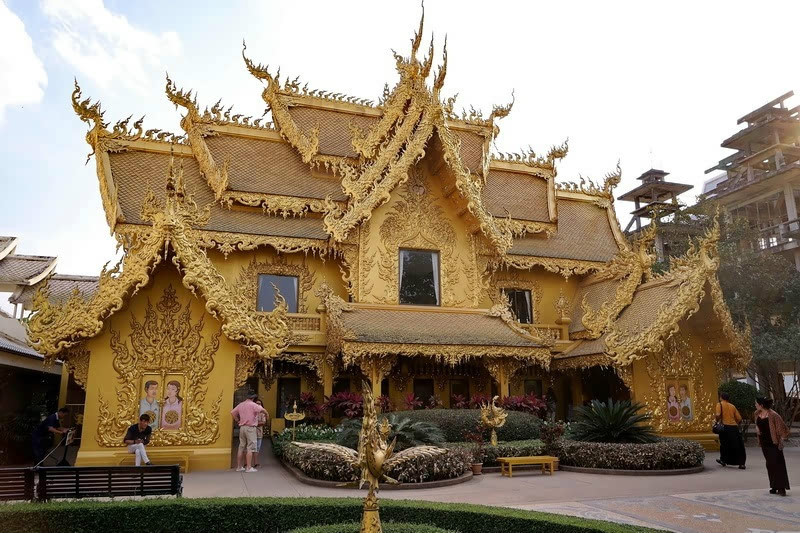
point(781, 492)
point(721, 463)
point(773, 491)
point(742, 467)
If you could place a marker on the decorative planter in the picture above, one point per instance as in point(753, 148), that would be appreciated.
point(476, 468)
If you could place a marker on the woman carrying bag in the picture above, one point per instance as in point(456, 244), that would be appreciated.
point(772, 431)
point(731, 445)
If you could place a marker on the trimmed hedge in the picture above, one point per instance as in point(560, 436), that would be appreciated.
point(252, 515)
point(667, 454)
point(515, 448)
point(305, 433)
point(388, 527)
point(454, 422)
point(328, 466)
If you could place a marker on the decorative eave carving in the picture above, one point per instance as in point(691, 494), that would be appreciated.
point(691, 273)
point(117, 140)
point(306, 143)
point(52, 328)
point(544, 166)
point(564, 267)
point(604, 195)
point(197, 127)
point(275, 204)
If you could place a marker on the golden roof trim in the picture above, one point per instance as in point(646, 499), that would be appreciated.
point(275, 204)
point(694, 271)
point(630, 267)
point(53, 328)
point(564, 267)
point(227, 242)
point(353, 351)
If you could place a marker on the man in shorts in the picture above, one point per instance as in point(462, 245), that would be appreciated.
point(246, 415)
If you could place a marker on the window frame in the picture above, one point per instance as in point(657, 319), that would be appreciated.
point(529, 301)
point(297, 290)
point(439, 274)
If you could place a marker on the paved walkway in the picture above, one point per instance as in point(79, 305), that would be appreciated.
point(716, 500)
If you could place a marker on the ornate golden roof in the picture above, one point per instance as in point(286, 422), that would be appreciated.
point(635, 317)
point(450, 334)
point(55, 327)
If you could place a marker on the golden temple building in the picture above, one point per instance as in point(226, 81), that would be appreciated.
point(348, 238)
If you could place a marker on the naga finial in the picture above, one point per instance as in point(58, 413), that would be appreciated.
point(85, 109)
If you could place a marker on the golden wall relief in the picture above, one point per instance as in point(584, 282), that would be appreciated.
point(677, 397)
point(162, 368)
point(416, 220)
point(280, 266)
point(76, 362)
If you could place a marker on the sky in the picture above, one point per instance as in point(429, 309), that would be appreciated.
point(643, 83)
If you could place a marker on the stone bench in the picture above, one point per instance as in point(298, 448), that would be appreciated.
point(158, 456)
point(547, 462)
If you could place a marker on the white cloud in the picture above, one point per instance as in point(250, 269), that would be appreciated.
point(23, 76)
point(105, 47)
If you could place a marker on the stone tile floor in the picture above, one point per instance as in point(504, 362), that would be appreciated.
point(716, 500)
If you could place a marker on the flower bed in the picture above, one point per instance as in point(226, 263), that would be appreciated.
point(453, 423)
point(252, 515)
point(517, 448)
point(666, 454)
point(329, 466)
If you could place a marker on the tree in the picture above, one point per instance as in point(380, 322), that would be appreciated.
point(762, 289)
point(743, 397)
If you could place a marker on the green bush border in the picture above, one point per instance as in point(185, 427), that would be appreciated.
point(251, 515)
point(388, 527)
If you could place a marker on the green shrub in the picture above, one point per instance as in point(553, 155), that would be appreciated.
point(612, 422)
point(518, 448)
point(666, 454)
point(252, 515)
point(305, 433)
point(329, 466)
point(407, 432)
point(388, 527)
point(743, 397)
point(453, 423)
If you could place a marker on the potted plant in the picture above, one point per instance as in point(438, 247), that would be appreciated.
point(478, 443)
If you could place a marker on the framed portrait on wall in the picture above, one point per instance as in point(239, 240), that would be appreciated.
point(172, 404)
point(679, 399)
point(150, 401)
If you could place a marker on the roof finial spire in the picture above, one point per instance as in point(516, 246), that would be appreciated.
point(415, 42)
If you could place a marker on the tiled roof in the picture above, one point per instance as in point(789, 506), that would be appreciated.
point(137, 172)
point(270, 167)
point(646, 305)
point(588, 347)
point(12, 338)
point(583, 233)
point(521, 196)
point(60, 286)
point(334, 131)
point(25, 269)
point(596, 295)
point(5, 242)
point(411, 326)
point(471, 150)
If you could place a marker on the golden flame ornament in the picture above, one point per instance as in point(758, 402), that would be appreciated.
point(493, 417)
